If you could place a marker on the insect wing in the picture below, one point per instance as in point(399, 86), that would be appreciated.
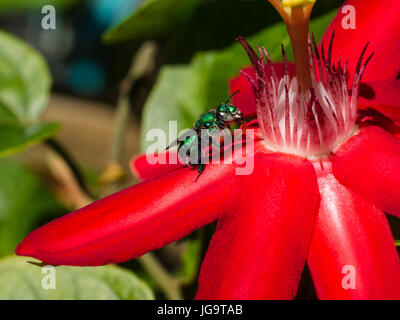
point(182, 138)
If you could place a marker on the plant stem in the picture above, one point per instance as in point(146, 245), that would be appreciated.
point(68, 189)
point(142, 63)
point(121, 117)
point(70, 162)
point(169, 285)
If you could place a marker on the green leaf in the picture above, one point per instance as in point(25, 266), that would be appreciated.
point(15, 138)
point(7, 6)
point(24, 92)
point(190, 261)
point(24, 80)
point(183, 92)
point(24, 203)
point(201, 26)
point(175, 97)
point(22, 280)
point(153, 18)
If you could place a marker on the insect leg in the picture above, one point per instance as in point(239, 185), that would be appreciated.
point(200, 169)
point(201, 165)
point(243, 125)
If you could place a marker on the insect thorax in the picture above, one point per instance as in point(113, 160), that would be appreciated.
point(207, 120)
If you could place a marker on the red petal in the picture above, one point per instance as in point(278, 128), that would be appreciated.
point(144, 170)
point(369, 164)
point(245, 99)
point(377, 22)
point(383, 96)
point(352, 237)
point(371, 117)
point(131, 222)
point(259, 251)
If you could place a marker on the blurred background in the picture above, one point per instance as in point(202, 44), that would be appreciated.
point(87, 92)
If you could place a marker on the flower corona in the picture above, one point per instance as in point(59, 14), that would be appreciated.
point(310, 123)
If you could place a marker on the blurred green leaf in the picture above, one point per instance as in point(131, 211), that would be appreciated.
point(169, 100)
point(183, 92)
point(199, 25)
point(190, 261)
point(24, 79)
point(15, 138)
point(24, 92)
point(22, 280)
point(153, 18)
point(24, 203)
point(7, 6)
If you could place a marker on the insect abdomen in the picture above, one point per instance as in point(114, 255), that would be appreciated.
point(207, 120)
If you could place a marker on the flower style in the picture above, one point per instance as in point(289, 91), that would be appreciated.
point(324, 174)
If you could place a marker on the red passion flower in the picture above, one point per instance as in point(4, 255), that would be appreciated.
point(324, 174)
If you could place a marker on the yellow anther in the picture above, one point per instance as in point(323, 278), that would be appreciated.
point(297, 3)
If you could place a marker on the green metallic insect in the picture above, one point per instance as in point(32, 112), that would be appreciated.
point(210, 124)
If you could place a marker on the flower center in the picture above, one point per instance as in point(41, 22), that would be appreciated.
point(312, 113)
point(311, 123)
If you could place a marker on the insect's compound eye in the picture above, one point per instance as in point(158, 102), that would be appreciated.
point(223, 108)
point(232, 109)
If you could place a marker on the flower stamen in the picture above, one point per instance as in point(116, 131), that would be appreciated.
point(309, 123)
